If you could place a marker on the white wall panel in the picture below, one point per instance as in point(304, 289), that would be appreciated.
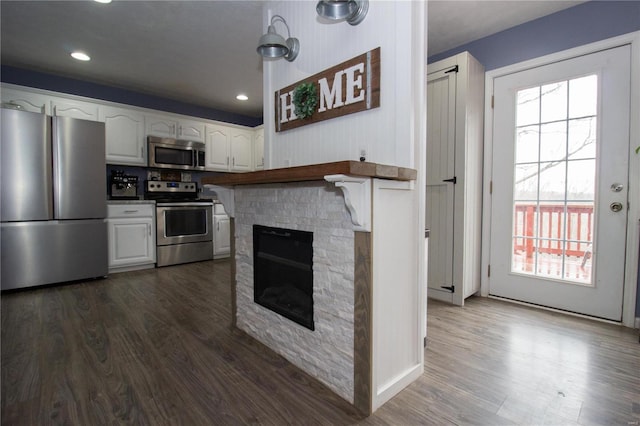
point(384, 132)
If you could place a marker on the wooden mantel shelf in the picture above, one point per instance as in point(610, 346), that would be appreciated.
point(313, 172)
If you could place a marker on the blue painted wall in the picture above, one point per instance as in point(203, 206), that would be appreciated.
point(576, 26)
point(583, 24)
point(57, 83)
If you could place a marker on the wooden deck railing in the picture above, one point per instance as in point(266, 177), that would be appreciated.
point(550, 237)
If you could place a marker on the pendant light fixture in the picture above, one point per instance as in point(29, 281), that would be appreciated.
point(353, 11)
point(273, 45)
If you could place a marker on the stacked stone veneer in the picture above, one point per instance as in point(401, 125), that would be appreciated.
point(318, 207)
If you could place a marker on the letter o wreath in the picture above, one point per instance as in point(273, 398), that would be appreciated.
point(305, 100)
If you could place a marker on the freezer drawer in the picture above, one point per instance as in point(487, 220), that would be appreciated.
point(37, 253)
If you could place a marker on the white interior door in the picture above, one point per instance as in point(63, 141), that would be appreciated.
point(560, 178)
point(441, 96)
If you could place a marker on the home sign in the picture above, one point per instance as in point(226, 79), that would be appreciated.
point(349, 87)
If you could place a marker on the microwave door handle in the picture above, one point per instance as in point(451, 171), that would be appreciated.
point(198, 152)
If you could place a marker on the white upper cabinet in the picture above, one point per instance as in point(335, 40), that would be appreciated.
point(74, 109)
point(229, 149)
point(218, 147)
point(125, 139)
point(258, 149)
point(241, 150)
point(168, 127)
point(191, 130)
point(32, 102)
point(164, 127)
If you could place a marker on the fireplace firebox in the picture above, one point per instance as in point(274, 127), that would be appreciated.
point(283, 272)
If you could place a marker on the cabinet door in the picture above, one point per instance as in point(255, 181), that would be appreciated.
point(74, 109)
point(258, 149)
point(241, 150)
point(222, 236)
point(218, 139)
point(163, 127)
point(31, 102)
point(191, 130)
point(131, 242)
point(124, 136)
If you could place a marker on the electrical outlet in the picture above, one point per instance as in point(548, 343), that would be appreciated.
point(363, 154)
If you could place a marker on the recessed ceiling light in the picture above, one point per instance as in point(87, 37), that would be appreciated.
point(242, 97)
point(80, 56)
point(103, 1)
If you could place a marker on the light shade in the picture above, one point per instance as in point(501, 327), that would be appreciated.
point(273, 45)
point(353, 11)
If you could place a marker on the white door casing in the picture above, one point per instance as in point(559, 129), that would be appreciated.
point(612, 68)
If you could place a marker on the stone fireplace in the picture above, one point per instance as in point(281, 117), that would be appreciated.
point(316, 207)
point(363, 337)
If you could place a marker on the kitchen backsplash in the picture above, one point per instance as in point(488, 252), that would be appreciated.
point(143, 173)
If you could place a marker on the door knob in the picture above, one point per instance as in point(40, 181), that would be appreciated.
point(615, 207)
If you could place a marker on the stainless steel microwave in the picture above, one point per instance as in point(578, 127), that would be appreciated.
point(168, 153)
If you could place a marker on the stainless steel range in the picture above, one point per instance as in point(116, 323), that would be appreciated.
point(184, 224)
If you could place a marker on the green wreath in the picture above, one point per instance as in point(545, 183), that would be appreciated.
point(305, 100)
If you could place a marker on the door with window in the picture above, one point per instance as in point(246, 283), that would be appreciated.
point(559, 184)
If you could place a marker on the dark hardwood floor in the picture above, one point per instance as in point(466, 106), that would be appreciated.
point(154, 347)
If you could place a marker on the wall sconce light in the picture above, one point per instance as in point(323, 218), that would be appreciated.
point(353, 11)
point(273, 45)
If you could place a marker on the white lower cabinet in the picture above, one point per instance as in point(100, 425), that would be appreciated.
point(132, 236)
point(221, 232)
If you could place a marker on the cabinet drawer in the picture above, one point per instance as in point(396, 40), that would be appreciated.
point(130, 210)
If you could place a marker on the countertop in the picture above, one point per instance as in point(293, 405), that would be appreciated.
point(314, 172)
point(131, 202)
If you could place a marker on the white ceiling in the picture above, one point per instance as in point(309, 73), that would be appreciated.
point(200, 52)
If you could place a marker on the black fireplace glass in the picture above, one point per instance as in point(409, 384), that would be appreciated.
point(283, 272)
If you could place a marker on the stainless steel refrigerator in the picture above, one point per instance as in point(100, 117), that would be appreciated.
point(52, 199)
